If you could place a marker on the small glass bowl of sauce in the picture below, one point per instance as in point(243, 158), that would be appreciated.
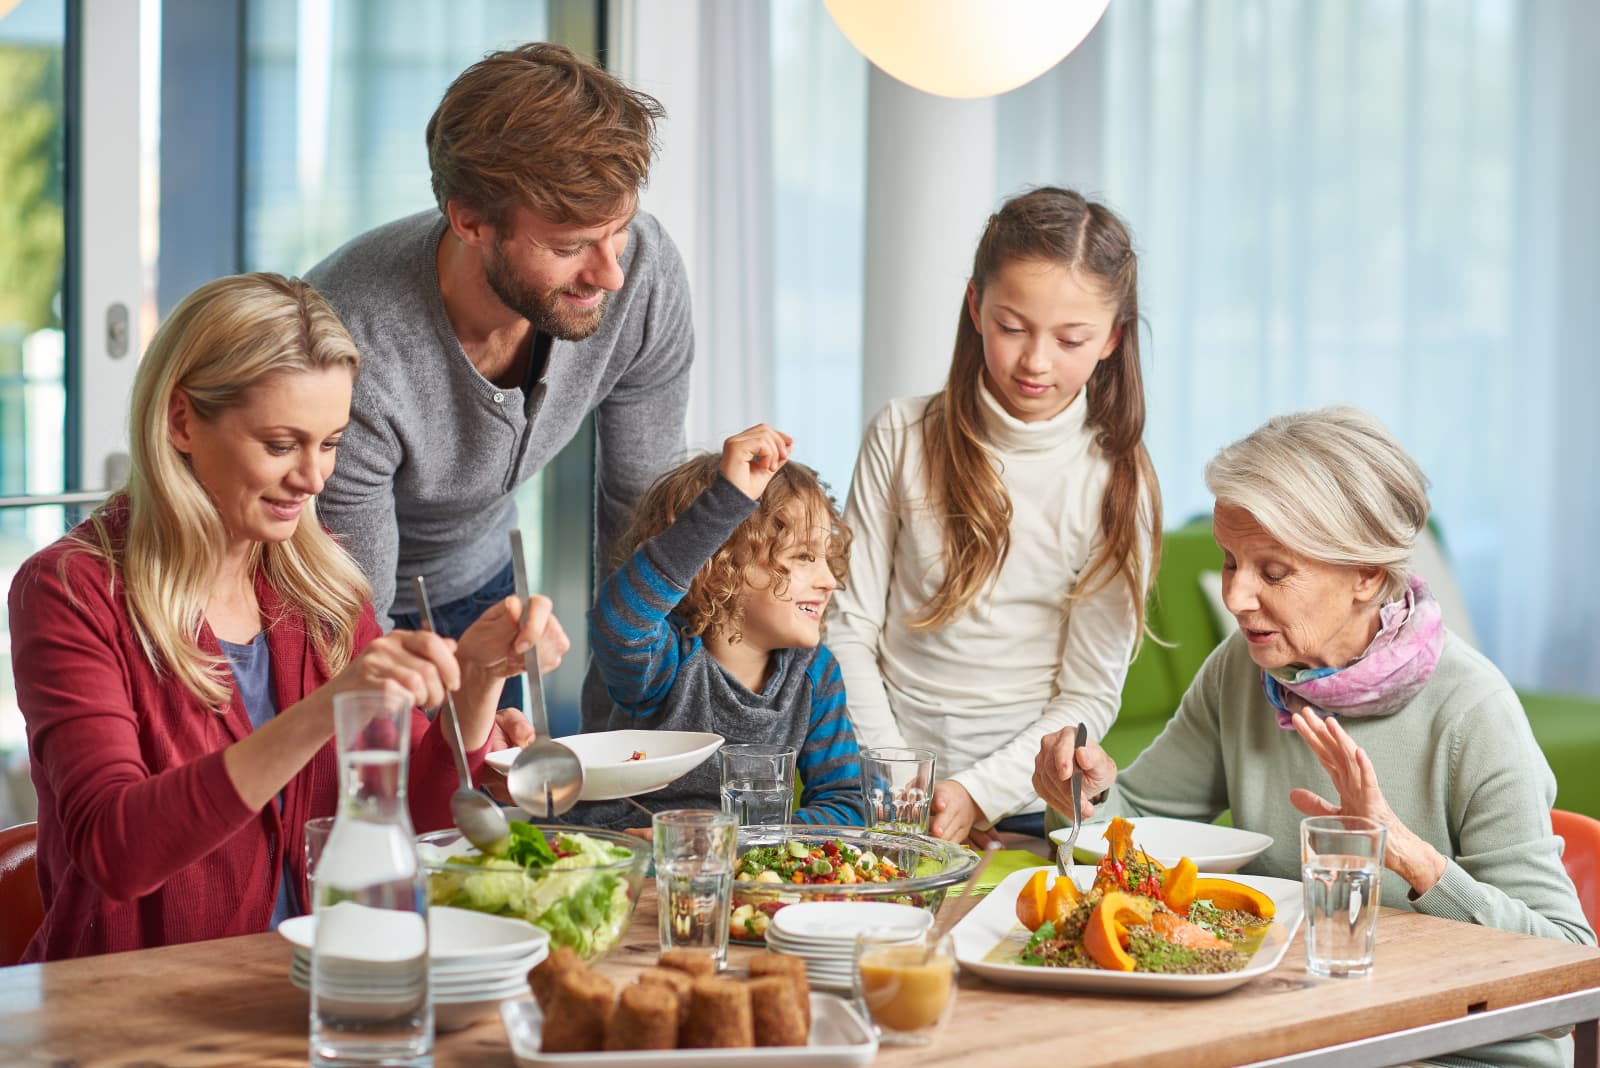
point(907, 986)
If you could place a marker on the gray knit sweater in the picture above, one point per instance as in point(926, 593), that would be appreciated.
point(1459, 766)
point(427, 470)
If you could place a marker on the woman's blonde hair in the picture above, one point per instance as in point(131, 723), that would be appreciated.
point(795, 503)
point(216, 345)
point(1331, 484)
point(1059, 227)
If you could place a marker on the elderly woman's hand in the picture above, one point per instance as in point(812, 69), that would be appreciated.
point(1414, 860)
point(1052, 770)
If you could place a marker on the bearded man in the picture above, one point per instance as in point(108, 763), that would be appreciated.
point(536, 294)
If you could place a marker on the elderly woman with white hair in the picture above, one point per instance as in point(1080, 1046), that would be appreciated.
point(1342, 674)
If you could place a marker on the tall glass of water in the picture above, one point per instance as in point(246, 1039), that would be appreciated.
point(758, 783)
point(1341, 871)
point(898, 786)
point(694, 879)
point(370, 999)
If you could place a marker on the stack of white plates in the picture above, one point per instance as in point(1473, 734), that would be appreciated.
point(823, 934)
point(475, 961)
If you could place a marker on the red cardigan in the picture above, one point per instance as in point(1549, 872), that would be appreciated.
point(143, 839)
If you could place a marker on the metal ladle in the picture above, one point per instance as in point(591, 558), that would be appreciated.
point(546, 779)
point(477, 817)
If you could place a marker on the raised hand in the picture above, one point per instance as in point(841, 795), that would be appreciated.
point(751, 457)
point(1356, 781)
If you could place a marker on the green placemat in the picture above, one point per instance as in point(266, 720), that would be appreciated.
point(1003, 863)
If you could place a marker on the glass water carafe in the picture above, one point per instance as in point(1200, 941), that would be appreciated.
point(370, 999)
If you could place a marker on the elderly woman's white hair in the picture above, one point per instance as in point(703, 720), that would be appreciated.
point(1331, 484)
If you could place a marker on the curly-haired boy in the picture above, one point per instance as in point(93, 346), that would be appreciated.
point(714, 623)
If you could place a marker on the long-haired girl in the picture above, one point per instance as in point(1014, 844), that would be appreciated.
point(1006, 527)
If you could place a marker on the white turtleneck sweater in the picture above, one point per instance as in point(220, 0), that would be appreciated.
point(1022, 660)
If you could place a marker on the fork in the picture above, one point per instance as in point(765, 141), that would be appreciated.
point(1064, 850)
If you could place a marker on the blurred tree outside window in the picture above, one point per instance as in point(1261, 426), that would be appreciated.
point(32, 392)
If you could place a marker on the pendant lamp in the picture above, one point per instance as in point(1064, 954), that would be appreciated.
point(965, 48)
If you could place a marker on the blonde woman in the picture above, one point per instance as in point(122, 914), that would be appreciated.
point(177, 655)
point(1005, 525)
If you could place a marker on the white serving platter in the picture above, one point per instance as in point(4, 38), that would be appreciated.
point(839, 1037)
point(994, 920)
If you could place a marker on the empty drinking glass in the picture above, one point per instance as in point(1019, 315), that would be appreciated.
point(694, 879)
point(898, 786)
point(758, 783)
point(1341, 872)
point(370, 997)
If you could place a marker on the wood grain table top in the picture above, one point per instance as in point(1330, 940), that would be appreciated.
point(230, 1002)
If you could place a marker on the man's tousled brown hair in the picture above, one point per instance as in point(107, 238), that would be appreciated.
point(537, 127)
point(796, 501)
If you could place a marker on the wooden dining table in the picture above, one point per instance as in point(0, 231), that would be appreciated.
point(1438, 986)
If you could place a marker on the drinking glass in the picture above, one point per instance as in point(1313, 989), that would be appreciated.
point(370, 999)
point(907, 984)
point(898, 786)
point(694, 879)
point(758, 783)
point(316, 835)
point(1341, 869)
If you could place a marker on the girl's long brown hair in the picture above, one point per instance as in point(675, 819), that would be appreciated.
point(1055, 226)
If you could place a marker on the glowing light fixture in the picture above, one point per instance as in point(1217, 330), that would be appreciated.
point(965, 48)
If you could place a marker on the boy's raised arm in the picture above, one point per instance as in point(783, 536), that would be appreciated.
point(634, 646)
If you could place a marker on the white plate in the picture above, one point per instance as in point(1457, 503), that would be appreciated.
point(830, 923)
point(839, 1036)
point(608, 773)
point(995, 919)
point(506, 987)
point(458, 937)
point(449, 1014)
point(1212, 848)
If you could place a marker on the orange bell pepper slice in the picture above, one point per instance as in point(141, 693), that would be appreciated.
point(1229, 895)
point(1177, 887)
point(1032, 900)
point(1107, 930)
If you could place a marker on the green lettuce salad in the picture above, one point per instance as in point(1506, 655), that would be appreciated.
point(551, 884)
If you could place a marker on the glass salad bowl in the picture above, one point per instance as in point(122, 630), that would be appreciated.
point(582, 890)
point(919, 870)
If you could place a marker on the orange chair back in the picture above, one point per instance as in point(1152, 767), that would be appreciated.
point(1581, 857)
point(21, 907)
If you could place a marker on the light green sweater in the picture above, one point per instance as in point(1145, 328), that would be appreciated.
point(1459, 766)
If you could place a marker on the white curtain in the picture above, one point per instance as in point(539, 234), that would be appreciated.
point(712, 188)
point(1380, 202)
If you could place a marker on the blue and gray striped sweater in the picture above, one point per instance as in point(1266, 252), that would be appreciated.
point(662, 678)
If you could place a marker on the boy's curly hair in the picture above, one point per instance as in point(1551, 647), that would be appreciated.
point(796, 502)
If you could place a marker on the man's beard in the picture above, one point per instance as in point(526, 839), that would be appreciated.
point(543, 310)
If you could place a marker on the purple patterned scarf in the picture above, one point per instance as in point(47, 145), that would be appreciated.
point(1380, 681)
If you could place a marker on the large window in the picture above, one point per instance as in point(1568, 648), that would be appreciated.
point(1376, 202)
point(32, 350)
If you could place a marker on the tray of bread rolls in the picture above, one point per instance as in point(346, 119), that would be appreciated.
point(682, 1012)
